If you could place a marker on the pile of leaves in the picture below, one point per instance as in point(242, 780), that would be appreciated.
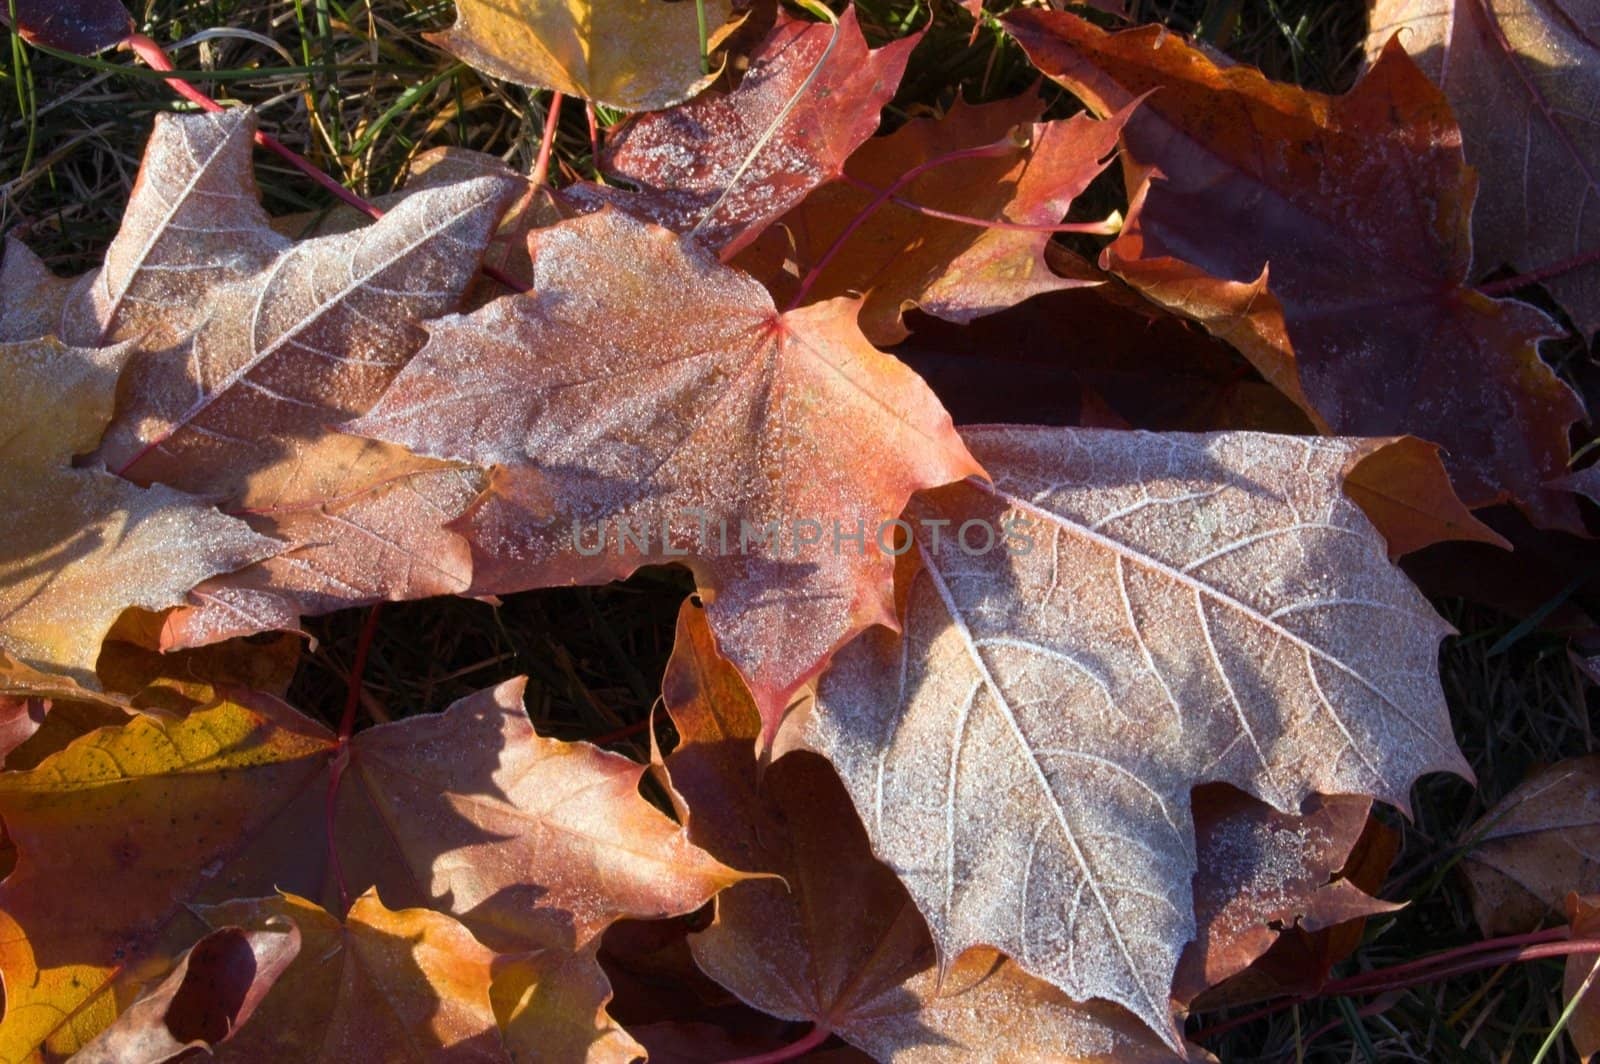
point(1017, 741)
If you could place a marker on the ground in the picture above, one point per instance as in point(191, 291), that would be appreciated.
point(357, 88)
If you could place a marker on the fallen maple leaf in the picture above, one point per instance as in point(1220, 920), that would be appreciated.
point(363, 522)
point(1274, 215)
point(79, 546)
point(79, 26)
point(1124, 363)
point(1583, 1027)
point(311, 337)
point(1173, 610)
point(837, 942)
point(725, 166)
point(530, 841)
point(1522, 78)
point(698, 428)
point(1402, 487)
point(1261, 871)
point(621, 53)
point(1006, 168)
point(246, 347)
point(551, 1005)
point(131, 663)
point(216, 986)
point(30, 295)
point(193, 223)
point(1532, 847)
point(563, 845)
point(406, 985)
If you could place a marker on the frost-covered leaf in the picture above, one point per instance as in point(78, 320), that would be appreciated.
point(78, 547)
point(194, 222)
point(641, 387)
point(80, 26)
point(365, 522)
point(1328, 238)
point(309, 339)
point(1533, 846)
point(837, 941)
point(726, 166)
point(31, 296)
point(1173, 610)
point(634, 55)
point(247, 347)
point(1522, 77)
point(899, 258)
point(1261, 871)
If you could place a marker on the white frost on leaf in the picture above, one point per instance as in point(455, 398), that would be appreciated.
point(1194, 608)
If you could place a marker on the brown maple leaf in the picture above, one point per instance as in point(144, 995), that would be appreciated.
point(1019, 173)
point(1171, 610)
point(1260, 871)
point(80, 26)
point(1327, 238)
point(531, 842)
point(216, 986)
point(1532, 846)
point(1522, 78)
point(646, 405)
point(724, 167)
point(381, 984)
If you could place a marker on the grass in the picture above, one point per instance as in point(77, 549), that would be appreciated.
point(1513, 711)
point(355, 86)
